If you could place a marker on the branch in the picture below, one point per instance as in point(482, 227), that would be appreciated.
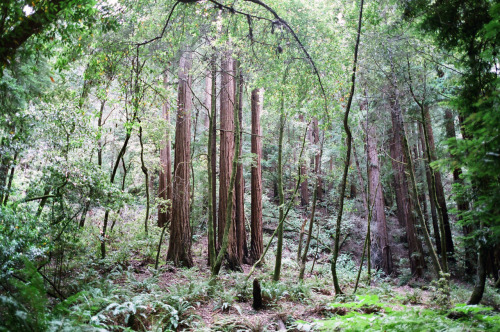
point(15, 37)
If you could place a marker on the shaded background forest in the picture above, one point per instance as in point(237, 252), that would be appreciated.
point(155, 157)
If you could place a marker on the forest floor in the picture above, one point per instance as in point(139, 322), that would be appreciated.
point(173, 298)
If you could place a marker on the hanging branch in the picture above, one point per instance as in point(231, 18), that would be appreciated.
point(278, 20)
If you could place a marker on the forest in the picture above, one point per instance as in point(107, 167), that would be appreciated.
point(249, 165)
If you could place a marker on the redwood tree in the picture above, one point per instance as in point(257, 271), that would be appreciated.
point(241, 237)
point(381, 255)
point(404, 202)
point(227, 99)
point(256, 241)
point(179, 249)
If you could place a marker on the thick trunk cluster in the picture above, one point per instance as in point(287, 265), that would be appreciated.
point(403, 200)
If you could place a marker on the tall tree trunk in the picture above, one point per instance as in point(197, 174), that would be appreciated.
point(179, 249)
point(211, 158)
point(227, 150)
point(432, 199)
point(405, 204)
point(165, 180)
point(256, 240)
point(279, 249)
point(229, 215)
point(440, 197)
point(343, 183)
point(462, 204)
point(380, 251)
point(317, 189)
point(304, 189)
point(146, 180)
point(477, 293)
point(424, 110)
point(213, 148)
point(317, 159)
point(240, 182)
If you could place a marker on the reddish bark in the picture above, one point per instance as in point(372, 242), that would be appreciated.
point(256, 240)
point(241, 237)
point(381, 255)
point(179, 249)
point(403, 200)
point(227, 99)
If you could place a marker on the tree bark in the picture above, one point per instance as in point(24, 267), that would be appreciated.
point(227, 150)
point(279, 249)
point(179, 250)
point(213, 148)
point(381, 255)
point(211, 162)
point(317, 159)
point(404, 202)
point(462, 204)
point(165, 181)
point(256, 239)
point(432, 199)
point(241, 237)
point(440, 197)
point(229, 215)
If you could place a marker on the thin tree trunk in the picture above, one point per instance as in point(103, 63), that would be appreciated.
point(348, 157)
point(435, 226)
point(440, 197)
point(423, 110)
point(112, 180)
point(256, 239)
point(317, 189)
point(11, 177)
point(240, 182)
point(317, 159)
point(304, 186)
point(279, 249)
point(462, 204)
point(43, 201)
point(179, 250)
point(165, 180)
point(289, 205)
point(146, 180)
point(212, 212)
